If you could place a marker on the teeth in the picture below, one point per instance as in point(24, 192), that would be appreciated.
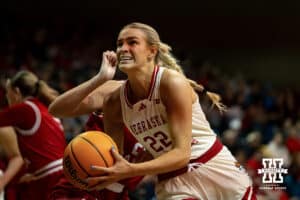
point(125, 58)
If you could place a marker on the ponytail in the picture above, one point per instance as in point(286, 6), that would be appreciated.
point(214, 97)
point(165, 58)
point(30, 85)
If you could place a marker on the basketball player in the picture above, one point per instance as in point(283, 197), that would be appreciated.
point(88, 97)
point(40, 138)
point(161, 109)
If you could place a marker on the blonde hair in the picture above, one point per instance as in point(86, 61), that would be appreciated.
point(30, 85)
point(214, 97)
point(166, 59)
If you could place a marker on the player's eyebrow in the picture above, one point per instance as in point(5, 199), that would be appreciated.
point(128, 38)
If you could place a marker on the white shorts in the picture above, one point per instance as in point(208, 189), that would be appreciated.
point(218, 179)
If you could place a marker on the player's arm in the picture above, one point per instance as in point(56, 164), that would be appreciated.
point(79, 101)
point(88, 96)
point(8, 142)
point(113, 123)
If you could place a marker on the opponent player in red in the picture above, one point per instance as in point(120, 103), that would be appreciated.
point(40, 137)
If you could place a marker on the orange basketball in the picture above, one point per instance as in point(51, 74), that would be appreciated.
point(86, 149)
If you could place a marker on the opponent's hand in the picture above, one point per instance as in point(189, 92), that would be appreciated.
point(120, 170)
point(108, 66)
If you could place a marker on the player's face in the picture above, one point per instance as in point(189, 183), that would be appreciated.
point(132, 49)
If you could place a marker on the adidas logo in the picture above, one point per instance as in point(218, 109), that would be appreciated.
point(157, 101)
point(142, 106)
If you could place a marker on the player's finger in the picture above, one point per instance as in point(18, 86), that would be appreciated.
point(100, 169)
point(115, 154)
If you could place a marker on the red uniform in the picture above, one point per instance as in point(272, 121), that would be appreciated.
point(131, 150)
point(42, 143)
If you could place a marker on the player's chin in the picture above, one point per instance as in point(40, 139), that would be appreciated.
point(125, 67)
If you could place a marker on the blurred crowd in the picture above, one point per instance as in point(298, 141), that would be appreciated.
point(262, 120)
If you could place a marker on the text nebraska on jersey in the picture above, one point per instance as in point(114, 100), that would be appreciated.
point(147, 124)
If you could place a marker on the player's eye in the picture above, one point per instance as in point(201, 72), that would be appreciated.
point(132, 42)
point(119, 44)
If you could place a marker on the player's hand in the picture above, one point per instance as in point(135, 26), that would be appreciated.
point(120, 170)
point(108, 66)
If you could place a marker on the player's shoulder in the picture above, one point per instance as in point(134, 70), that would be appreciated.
point(27, 105)
point(171, 78)
point(113, 96)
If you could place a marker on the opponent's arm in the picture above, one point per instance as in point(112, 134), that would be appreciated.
point(9, 143)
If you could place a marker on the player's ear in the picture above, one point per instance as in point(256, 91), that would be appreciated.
point(153, 52)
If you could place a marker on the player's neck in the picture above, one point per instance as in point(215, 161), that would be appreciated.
point(139, 84)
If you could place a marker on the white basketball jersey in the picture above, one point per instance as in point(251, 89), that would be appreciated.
point(148, 122)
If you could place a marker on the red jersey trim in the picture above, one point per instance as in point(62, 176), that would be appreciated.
point(48, 169)
point(37, 122)
point(151, 89)
point(249, 194)
point(153, 81)
point(209, 154)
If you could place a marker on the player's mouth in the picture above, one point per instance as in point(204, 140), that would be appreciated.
point(125, 59)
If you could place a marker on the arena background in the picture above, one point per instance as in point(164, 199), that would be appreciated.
point(247, 51)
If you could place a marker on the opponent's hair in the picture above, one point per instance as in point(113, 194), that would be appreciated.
point(166, 59)
point(30, 85)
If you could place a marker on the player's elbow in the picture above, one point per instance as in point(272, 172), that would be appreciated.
point(54, 110)
point(183, 157)
point(57, 110)
point(186, 158)
point(20, 161)
point(17, 161)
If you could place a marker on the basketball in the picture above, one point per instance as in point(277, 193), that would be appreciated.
point(86, 149)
